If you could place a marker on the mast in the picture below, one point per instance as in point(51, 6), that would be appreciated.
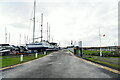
point(34, 21)
point(9, 38)
point(25, 38)
point(5, 35)
point(41, 26)
point(20, 39)
point(47, 31)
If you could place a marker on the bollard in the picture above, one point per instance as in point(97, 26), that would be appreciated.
point(21, 57)
point(75, 51)
point(44, 52)
point(36, 55)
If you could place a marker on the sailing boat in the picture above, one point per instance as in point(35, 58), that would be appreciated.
point(40, 45)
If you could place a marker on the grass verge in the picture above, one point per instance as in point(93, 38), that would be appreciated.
point(104, 61)
point(5, 62)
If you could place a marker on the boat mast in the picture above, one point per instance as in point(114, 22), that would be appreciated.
point(41, 26)
point(5, 35)
point(47, 31)
point(9, 37)
point(34, 21)
point(20, 39)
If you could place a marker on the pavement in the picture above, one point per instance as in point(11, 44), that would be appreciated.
point(59, 64)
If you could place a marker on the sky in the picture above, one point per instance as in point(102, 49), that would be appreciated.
point(76, 20)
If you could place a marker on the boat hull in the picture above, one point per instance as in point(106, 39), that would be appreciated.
point(36, 46)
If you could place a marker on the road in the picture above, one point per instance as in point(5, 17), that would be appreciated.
point(60, 64)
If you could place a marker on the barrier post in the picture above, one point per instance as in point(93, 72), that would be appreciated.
point(44, 52)
point(81, 48)
point(75, 51)
point(21, 57)
point(36, 55)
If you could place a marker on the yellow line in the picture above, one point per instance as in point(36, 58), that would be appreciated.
point(23, 63)
point(104, 67)
point(71, 53)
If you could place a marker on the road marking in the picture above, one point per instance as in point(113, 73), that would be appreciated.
point(101, 66)
point(24, 62)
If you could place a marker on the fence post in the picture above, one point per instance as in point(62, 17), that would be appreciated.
point(44, 51)
point(21, 57)
point(36, 55)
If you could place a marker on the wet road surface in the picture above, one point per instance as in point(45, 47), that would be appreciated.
point(59, 64)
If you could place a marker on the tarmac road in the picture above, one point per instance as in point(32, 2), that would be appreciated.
point(59, 64)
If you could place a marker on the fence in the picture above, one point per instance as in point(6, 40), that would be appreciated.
point(110, 51)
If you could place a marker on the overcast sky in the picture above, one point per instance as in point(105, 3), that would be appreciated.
point(77, 20)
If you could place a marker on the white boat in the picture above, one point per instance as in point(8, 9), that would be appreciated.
point(42, 44)
point(37, 46)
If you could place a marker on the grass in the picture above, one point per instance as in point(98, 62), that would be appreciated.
point(0, 63)
point(5, 62)
point(93, 58)
point(115, 57)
